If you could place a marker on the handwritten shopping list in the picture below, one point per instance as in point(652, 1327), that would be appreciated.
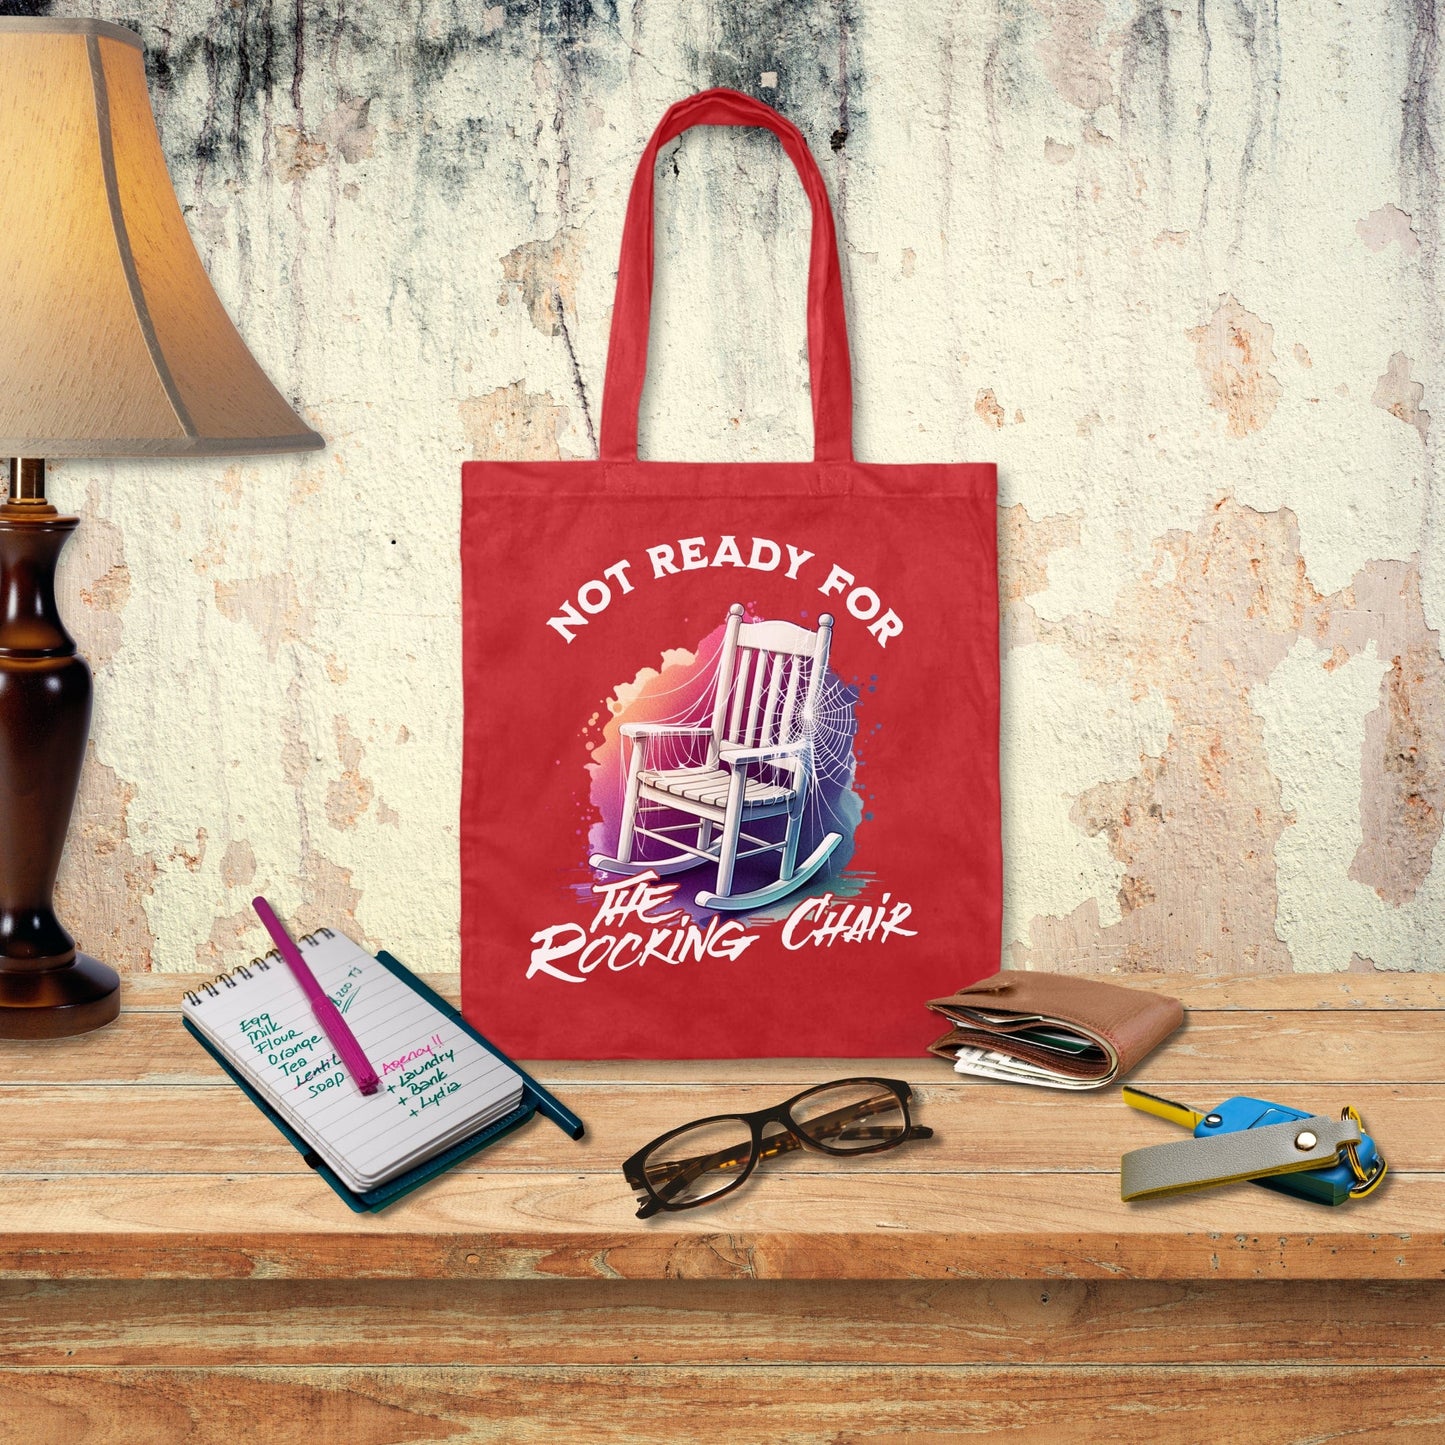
point(436, 1080)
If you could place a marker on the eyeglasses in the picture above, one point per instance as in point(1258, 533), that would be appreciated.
point(703, 1161)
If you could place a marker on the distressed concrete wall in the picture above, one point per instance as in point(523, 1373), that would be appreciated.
point(1175, 267)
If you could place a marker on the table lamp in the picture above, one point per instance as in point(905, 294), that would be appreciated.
point(112, 344)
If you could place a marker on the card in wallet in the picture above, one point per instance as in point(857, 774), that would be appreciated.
point(1059, 1031)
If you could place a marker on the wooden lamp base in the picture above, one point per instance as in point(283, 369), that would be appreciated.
point(54, 1003)
point(47, 988)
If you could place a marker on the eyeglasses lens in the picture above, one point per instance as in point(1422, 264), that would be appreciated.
point(700, 1161)
point(851, 1115)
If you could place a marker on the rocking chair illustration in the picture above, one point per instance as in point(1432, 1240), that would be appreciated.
point(754, 761)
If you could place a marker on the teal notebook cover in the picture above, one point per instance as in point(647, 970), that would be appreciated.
point(535, 1099)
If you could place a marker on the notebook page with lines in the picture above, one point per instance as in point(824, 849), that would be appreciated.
point(438, 1085)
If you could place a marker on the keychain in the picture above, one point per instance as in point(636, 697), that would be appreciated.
point(1308, 1155)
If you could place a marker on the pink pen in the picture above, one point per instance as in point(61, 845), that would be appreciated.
point(327, 1014)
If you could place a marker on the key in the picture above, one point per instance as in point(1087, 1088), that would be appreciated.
point(1335, 1184)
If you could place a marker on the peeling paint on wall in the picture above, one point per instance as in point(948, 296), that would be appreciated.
point(1234, 351)
point(1402, 777)
point(513, 423)
point(1212, 616)
point(104, 891)
point(97, 579)
point(270, 604)
point(1385, 224)
point(1401, 397)
point(350, 795)
point(1197, 247)
point(545, 273)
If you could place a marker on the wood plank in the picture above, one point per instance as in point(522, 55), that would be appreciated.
point(985, 1129)
point(1234, 1048)
point(1333, 991)
point(845, 1226)
point(720, 1322)
point(786, 1405)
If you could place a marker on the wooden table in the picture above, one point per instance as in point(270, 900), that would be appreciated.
point(170, 1271)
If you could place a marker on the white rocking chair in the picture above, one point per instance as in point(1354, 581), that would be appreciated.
point(755, 761)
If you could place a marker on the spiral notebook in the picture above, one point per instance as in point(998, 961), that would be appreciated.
point(442, 1085)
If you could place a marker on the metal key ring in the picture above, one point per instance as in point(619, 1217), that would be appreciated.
point(1365, 1180)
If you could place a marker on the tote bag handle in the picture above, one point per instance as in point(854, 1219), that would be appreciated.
point(632, 307)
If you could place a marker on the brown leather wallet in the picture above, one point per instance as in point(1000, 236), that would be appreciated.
point(1045, 1028)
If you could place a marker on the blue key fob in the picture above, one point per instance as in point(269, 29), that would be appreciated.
point(1330, 1185)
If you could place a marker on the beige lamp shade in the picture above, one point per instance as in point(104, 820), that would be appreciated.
point(112, 342)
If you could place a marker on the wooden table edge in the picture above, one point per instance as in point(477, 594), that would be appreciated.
point(1327, 1253)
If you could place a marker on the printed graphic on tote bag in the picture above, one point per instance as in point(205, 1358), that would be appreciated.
point(722, 793)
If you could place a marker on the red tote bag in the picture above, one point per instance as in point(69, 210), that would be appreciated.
point(730, 776)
